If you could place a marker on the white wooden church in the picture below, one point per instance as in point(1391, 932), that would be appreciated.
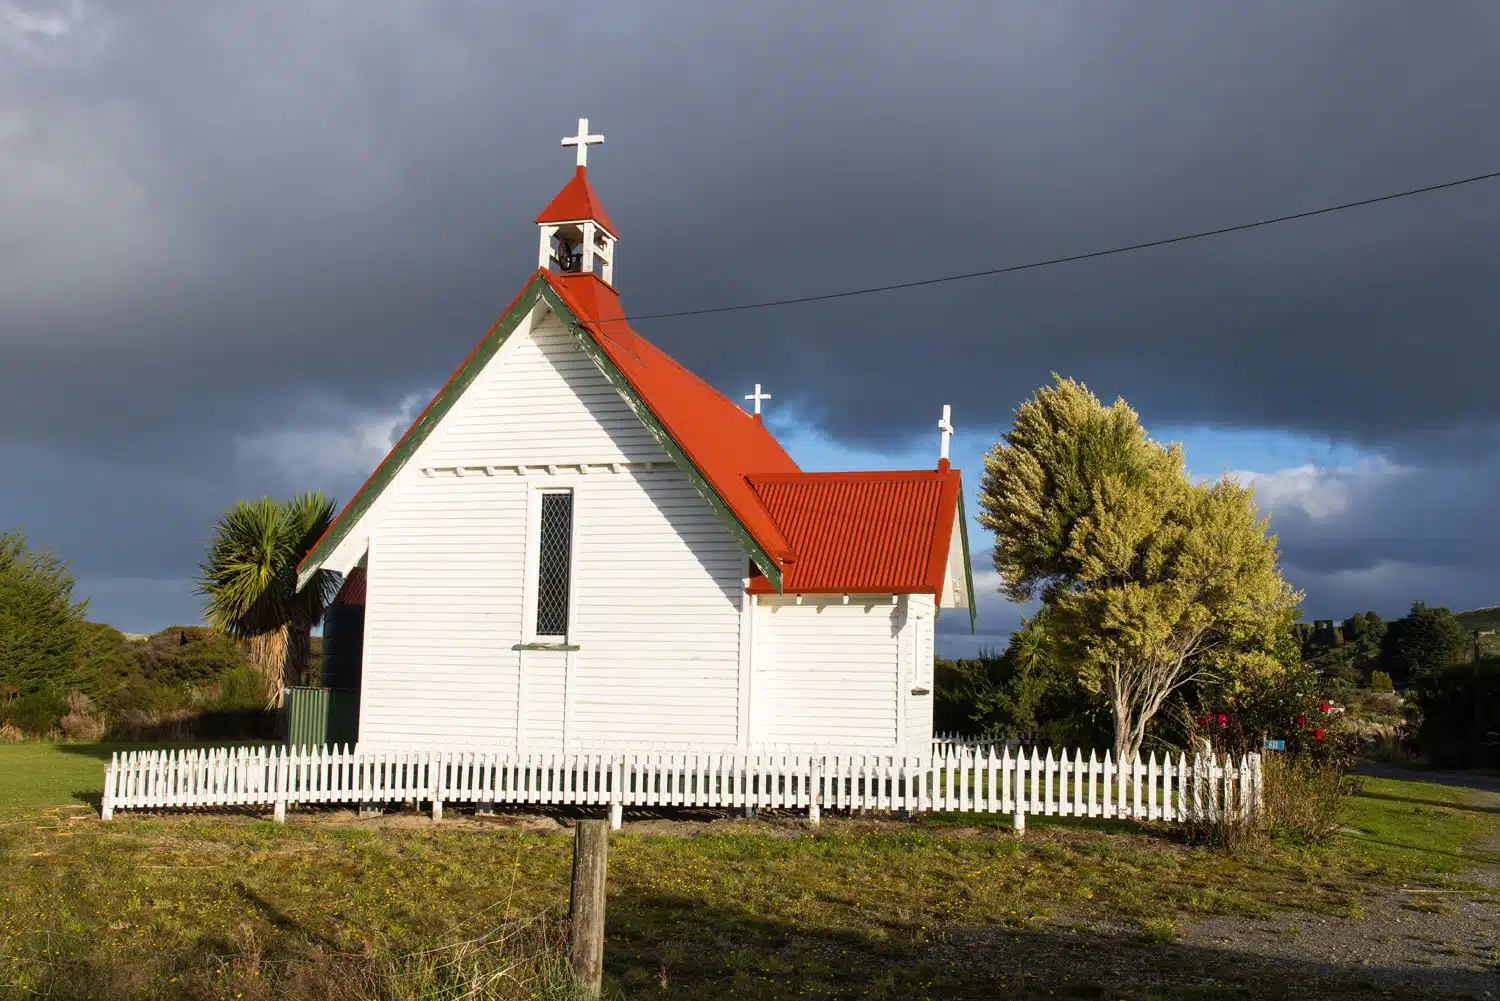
point(580, 545)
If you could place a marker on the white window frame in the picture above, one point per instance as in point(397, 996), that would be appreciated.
point(533, 565)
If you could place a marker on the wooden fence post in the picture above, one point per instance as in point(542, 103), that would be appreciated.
point(586, 906)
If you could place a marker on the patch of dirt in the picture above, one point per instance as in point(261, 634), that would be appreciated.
point(1431, 940)
point(404, 820)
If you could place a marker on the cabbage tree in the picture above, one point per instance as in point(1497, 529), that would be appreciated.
point(249, 582)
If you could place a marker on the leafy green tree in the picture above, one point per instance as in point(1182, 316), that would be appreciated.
point(957, 685)
point(1022, 691)
point(1380, 681)
point(1366, 628)
point(39, 620)
point(1148, 580)
point(1426, 640)
point(1032, 691)
point(249, 581)
point(1460, 715)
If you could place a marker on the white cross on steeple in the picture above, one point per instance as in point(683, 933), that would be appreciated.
point(583, 141)
point(946, 426)
point(757, 396)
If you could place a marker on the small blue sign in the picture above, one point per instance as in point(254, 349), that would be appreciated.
point(1275, 745)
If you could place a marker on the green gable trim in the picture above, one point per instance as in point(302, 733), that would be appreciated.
point(648, 417)
point(963, 533)
point(420, 430)
point(963, 527)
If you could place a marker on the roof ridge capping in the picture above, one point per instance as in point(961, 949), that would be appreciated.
point(853, 475)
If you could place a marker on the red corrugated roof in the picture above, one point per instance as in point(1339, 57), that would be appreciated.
point(577, 201)
point(352, 592)
point(720, 439)
point(862, 532)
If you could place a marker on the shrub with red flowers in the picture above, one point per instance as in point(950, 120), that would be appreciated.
point(1288, 707)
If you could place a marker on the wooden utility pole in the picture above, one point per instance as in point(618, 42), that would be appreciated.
point(586, 906)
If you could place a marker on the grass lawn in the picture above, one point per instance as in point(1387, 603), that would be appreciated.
point(45, 774)
point(328, 906)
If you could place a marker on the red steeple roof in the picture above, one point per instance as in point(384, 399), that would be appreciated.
point(577, 201)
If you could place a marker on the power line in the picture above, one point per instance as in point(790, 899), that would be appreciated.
point(1073, 257)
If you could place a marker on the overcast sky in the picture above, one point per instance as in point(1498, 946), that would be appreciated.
point(241, 245)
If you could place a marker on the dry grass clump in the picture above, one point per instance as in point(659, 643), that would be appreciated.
point(1302, 798)
point(1301, 801)
point(11, 734)
point(81, 722)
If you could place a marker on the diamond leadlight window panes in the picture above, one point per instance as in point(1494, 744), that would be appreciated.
point(554, 564)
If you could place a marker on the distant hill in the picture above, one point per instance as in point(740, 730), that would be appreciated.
point(1480, 619)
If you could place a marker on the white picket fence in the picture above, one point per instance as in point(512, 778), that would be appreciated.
point(983, 779)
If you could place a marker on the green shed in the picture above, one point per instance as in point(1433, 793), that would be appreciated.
point(330, 714)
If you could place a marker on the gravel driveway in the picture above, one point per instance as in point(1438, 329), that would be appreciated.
point(1409, 942)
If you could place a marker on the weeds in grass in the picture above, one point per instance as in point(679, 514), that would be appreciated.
point(1159, 930)
point(11, 734)
point(324, 907)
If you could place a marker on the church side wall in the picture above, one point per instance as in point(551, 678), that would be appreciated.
point(826, 674)
point(918, 639)
point(656, 588)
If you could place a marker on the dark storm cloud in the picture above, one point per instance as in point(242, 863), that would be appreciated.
point(209, 214)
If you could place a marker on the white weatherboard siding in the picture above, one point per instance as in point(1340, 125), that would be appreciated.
point(826, 673)
point(658, 591)
point(656, 577)
point(917, 646)
point(442, 611)
point(541, 399)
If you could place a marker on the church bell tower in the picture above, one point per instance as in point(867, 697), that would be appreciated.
point(576, 235)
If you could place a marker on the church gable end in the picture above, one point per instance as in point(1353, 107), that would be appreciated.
point(482, 420)
point(542, 402)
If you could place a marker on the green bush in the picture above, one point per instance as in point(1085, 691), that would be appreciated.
point(1460, 715)
point(240, 687)
point(38, 711)
point(1380, 681)
point(190, 655)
